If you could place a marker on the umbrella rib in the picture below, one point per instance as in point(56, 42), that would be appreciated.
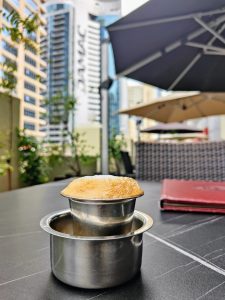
point(205, 47)
point(185, 71)
point(167, 49)
point(214, 53)
point(212, 40)
point(165, 20)
point(212, 31)
point(155, 111)
point(195, 59)
point(187, 107)
point(219, 100)
point(200, 111)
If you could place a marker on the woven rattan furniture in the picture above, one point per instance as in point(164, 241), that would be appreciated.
point(200, 161)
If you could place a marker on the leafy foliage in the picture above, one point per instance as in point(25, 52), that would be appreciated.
point(33, 166)
point(4, 165)
point(63, 104)
point(4, 159)
point(80, 151)
point(19, 30)
point(8, 80)
point(54, 154)
point(116, 144)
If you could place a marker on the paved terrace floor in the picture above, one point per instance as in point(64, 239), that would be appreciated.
point(183, 255)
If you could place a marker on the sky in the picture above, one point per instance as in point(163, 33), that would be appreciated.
point(129, 5)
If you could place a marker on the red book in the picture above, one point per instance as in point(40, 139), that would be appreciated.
point(193, 196)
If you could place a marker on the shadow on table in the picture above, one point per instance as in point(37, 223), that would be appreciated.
point(133, 289)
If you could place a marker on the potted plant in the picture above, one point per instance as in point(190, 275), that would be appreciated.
point(33, 167)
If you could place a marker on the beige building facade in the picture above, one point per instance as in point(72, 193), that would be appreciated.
point(139, 94)
point(30, 66)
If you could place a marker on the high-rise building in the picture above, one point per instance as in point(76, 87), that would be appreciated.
point(140, 93)
point(72, 49)
point(29, 64)
point(114, 91)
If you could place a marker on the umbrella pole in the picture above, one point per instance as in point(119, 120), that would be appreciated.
point(104, 107)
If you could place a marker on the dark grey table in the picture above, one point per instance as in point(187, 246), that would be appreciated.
point(183, 258)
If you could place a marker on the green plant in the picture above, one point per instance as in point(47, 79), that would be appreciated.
point(116, 144)
point(4, 165)
point(88, 159)
point(33, 166)
point(19, 30)
point(54, 155)
point(80, 151)
point(4, 158)
point(61, 99)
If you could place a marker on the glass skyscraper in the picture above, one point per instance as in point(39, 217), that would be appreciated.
point(114, 91)
point(55, 50)
point(72, 49)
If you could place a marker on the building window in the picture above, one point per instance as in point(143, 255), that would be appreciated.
point(32, 36)
point(55, 135)
point(27, 11)
point(29, 99)
point(55, 7)
point(31, 49)
point(29, 113)
point(29, 126)
point(42, 116)
point(30, 74)
point(54, 129)
point(29, 86)
point(15, 2)
point(5, 13)
point(30, 61)
point(9, 48)
point(5, 32)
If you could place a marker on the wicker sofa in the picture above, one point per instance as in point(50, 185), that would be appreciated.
point(200, 161)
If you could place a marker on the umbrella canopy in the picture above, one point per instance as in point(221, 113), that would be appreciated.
point(171, 128)
point(173, 44)
point(180, 107)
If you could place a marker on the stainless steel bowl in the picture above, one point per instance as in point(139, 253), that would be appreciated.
point(94, 261)
point(103, 217)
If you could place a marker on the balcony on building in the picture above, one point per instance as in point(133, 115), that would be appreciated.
point(57, 35)
point(60, 22)
point(58, 52)
point(59, 16)
point(59, 76)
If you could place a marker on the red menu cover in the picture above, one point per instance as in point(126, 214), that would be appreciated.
point(193, 196)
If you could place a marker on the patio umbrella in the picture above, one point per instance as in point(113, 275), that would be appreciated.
point(178, 107)
point(171, 128)
point(173, 44)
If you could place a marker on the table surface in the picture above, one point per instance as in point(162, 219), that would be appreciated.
point(183, 254)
